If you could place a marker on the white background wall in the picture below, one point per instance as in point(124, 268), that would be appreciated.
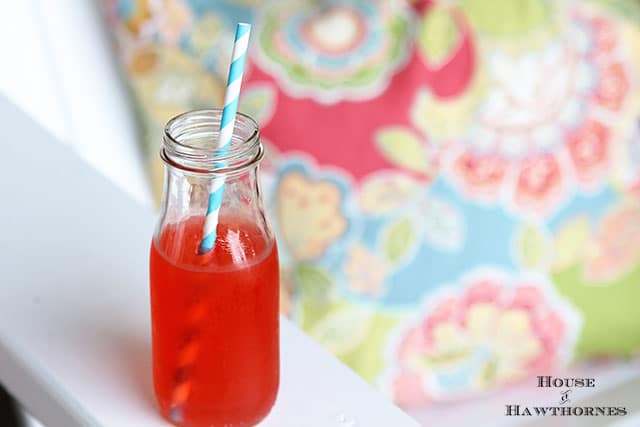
point(58, 66)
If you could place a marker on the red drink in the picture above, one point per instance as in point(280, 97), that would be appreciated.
point(215, 324)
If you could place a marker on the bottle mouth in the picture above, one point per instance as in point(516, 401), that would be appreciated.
point(191, 143)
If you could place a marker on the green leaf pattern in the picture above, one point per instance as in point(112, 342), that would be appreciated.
point(399, 240)
point(402, 148)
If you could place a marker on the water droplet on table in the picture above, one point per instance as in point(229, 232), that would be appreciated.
point(345, 421)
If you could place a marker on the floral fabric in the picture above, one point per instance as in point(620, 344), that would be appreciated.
point(454, 185)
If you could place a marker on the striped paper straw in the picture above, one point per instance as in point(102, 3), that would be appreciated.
point(232, 95)
point(187, 357)
point(190, 347)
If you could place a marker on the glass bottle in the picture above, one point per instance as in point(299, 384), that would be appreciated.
point(214, 315)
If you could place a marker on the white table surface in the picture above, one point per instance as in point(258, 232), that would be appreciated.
point(74, 314)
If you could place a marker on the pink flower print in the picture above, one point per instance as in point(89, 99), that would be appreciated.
point(589, 151)
point(604, 35)
point(480, 175)
point(612, 87)
point(539, 182)
point(493, 332)
point(540, 127)
point(409, 391)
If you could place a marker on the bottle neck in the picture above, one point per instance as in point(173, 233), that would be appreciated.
point(187, 194)
point(196, 164)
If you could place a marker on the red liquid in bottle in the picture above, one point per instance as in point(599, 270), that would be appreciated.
point(214, 324)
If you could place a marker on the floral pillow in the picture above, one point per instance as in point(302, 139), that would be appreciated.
point(455, 185)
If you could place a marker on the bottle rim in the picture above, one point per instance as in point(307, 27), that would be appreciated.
point(191, 139)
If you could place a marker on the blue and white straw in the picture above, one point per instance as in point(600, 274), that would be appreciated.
point(232, 95)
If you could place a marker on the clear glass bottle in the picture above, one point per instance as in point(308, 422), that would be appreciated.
point(214, 315)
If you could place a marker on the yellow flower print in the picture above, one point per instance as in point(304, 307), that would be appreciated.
point(382, 193)
point(142, 62)
point(250, 2)
point(172, 18)
point(508, 333)
point(570, 242)
point(365, 271)
point(206, 33)
point(616, 248)
point(445, 119)
point(309, 215)
point(139, 17)
point(155, 168)
point(286, 292)
point(169, 82)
